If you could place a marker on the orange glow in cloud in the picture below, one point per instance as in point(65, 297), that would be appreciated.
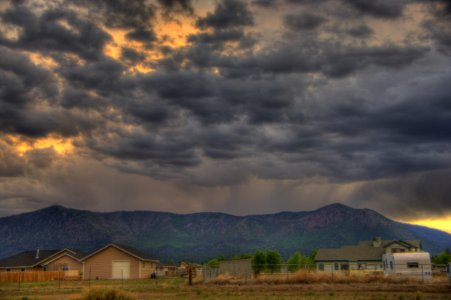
point(171, 33)
point(441, 223)
point(62, 146)
point(43, 61)
point(175, 33)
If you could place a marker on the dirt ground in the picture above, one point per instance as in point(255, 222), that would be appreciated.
point(178, 289)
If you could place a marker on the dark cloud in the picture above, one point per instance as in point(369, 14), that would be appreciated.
point(165, 150)
point(176, 6)
point(424, 194)
point(350, 60)
point(141, 34)
point(265, 3)
point(439, 31)
point(304, 21)
point(122, 13)
point(103, 76)
point(227, 14)
point(136, 16)
point(132, 56)
point(378, 8)
point(335, 60)
point(362, 31)
point(23, 84)
point(11, 164)
point(304, 1)
point(48, 34)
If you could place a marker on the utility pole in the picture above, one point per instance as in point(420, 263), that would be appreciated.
point(190, 274)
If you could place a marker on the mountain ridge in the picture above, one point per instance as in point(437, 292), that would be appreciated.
point(199, 236)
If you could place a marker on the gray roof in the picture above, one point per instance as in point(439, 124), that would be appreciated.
point(363, 251)
point(28, 258)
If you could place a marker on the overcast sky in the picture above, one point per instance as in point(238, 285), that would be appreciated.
point(242, 107)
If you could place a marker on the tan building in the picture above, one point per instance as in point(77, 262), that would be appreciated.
point(118, 262)
point(365, 256)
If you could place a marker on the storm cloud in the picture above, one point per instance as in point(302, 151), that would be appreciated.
point(245, 107)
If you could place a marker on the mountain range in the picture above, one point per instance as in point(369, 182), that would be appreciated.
point(200, 236)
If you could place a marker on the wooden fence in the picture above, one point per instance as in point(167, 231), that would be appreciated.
point(38, 276)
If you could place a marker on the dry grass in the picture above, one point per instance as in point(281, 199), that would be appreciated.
point(226, 279)
point(106, 294)
point(308, 277)
point(228, 288)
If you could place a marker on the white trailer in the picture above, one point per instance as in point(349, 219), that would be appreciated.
point(411, 264)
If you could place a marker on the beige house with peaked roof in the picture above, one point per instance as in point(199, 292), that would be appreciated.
point(365, 256)
point(117, 262)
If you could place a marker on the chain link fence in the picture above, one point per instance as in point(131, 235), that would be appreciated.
point(245, 271)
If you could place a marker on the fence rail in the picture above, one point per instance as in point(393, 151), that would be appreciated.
point(30, 276)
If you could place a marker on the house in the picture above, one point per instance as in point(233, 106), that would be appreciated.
point(167, 270)
point(412, 264)
point(115, 261)
point(183, 269)
point(365, 256)
point(67, 260)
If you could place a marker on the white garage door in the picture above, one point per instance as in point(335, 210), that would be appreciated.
point(121, 269)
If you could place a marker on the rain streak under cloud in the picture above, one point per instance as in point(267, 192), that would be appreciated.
point(235, 106)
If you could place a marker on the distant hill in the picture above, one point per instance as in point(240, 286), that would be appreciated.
point(200, 236)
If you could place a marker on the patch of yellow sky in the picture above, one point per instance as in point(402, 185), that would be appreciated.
point(62, 146)
point(437, 223)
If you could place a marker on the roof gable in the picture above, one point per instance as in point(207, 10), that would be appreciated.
point(407, 244)
point(126, 249)
point(56, 257)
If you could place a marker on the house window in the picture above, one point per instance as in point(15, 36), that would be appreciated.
point(412, 265)
point(391, 265)
point(337, 267)
point(321, 267)
point(345, 267)
point(66, 267)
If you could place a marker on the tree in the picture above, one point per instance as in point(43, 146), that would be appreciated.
point(295, 262)
point(245, 256)
point(273, 261)
point(220, 258)
point(259, 262)
point(213, 263)
point(242, 256)
point(442, 258)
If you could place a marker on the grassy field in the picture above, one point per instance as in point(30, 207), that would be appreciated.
point(178, 289)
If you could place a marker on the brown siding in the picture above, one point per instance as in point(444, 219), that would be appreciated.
point(147, 268)
point(100, 265)
point(390, 248)
point(58, 264)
